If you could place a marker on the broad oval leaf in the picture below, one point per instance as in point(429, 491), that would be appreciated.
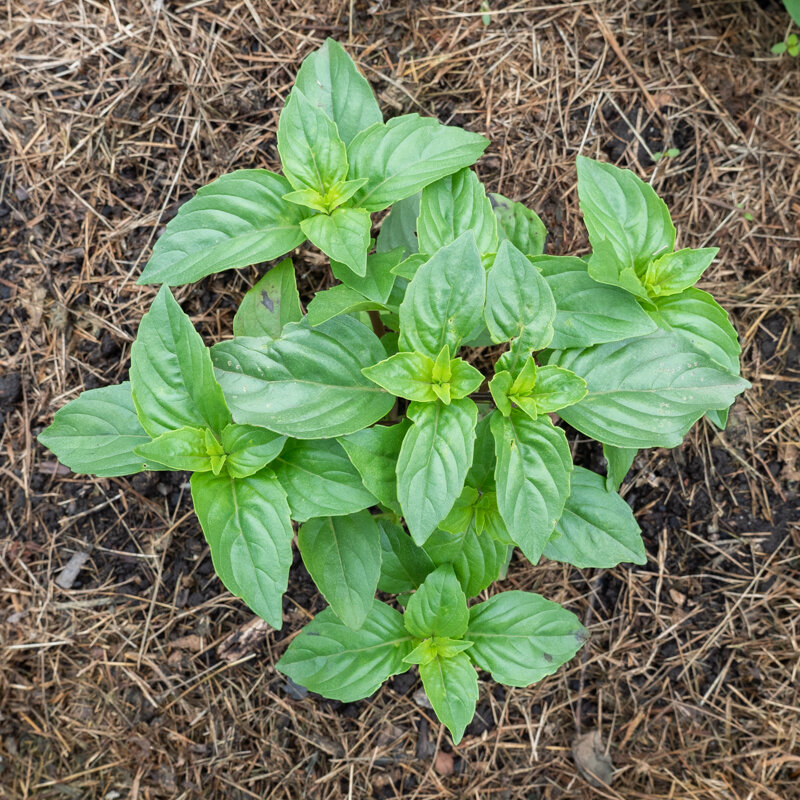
point(597, 528)
point(246, 524)
point(404, 565)
point(519, 225)
point(339, 299)
point(249, 448)
point(308, 383)
point(618, 464)
point(520, 637)
point(379, 280)
point(181, 449)
point(646, 392)
point(407, 375)
point(342, 235)
point(532, 476)
point(172, 378)
point(272, 303)
point(405, 155)
point(399, 229)
point(96, 433)
point(519, 303)
point(452, 206)
point(237, 220)
point(452, 687)
point(343, 556)
point(556, 388)
point(330, 80)
point(673, 272)
point(433, 462)
point(588, 312)
point(438, 607)
point(444, 301)
point(320, 480)
point(331, 659)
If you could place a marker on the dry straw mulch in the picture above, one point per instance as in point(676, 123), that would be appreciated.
point(114, 112)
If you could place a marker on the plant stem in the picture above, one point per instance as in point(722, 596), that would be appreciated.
point(377, 323)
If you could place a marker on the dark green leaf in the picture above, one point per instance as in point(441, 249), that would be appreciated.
point(378, 282)
point(519, 225)
point(399, 229)
point(438, 607)
point(270, 304)
point(452, 687)
point(404, 565)
point(337, 300)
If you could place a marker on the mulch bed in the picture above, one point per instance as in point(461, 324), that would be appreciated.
point(128, 684)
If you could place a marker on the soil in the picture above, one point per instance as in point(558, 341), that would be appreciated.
point(110, 118)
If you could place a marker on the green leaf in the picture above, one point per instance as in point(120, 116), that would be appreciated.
point(519, 303)
point(645, 392)
point(320, 480)
point(518, 225)
point(464, 378)
point(673, 272)
point(588, 312)
point(438, 607)
point(408, 268)
point(618, 464)
point(452, 687)
point(237, 220)
point(405, 155)
point(171, 374)
point(481, 473)
point(404, 565)
point(520, 638)
point(597, 528)
point(778, 47)
point(184, 448)
point(343, 556)
point(312, 154)
point(500, 387)
point(343, 236)
point(330, 80)
point(247, 527)
point(452, 206)
point(307, 384)
point(444, 301)
point(272, 303)
point(556, 388)
point(374, 453)
point(379, 279)
point(337, 300)
point(399, 229)
point(793, 7)
point(429, 649)
point(406, 375)
point(249, 448)
point(476, 559)
point(96, 433)
point(532, 475)
point(331, 659)
point(433, 462)
point(628, 224)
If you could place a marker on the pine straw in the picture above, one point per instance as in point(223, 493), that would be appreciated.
point(111, 114)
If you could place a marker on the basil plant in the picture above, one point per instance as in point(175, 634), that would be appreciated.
point(409, 472)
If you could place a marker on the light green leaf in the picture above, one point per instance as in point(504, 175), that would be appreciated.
point(337, 300)
point(342, 235)
point(452, 687)
point(181, 449)
point(532, 476)
point(673, 272)
point(433, 462)
point(331, 659)
point(405, 155)
point(429, 649)
point(399, 229)
point(408, 268)
point(406, 375)
point(270, 304)
point(519, 303)
point(444, 301)
point(237, 220)
point(438, 607)
point(500, 387)
point(374, 453)
point(343, 556)
point(330, 80)
point(404, 565)
point(379, 279)
point(249, 448)
point(618, 464)
point(307, 384)
point(519, 225)
point(96, 433)
point(628, 224)
point(464, 378)
point(312, 154)
point(588, 312)
point(520, 638)
point(597, 528)
point(556, 388)
point(320, 480)
point(247, 527)
point(171, 374)
point(645, 392)
point(452, 206)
